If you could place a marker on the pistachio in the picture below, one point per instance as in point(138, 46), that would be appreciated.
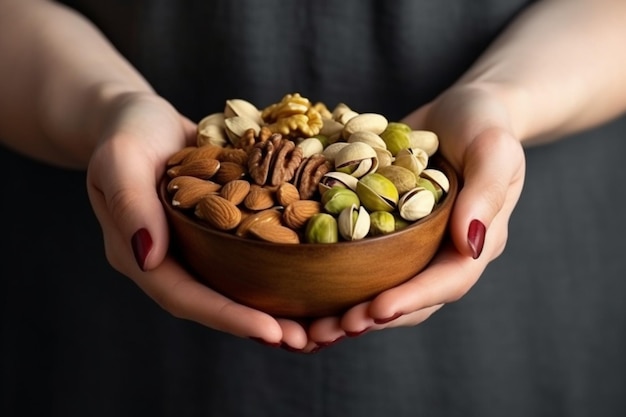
point(237, 126)
point(337, 179)
point(353, 222)
point(414, 160)
point(331, 129)
point(402, 178)
point(331, 151)
point(430, 186)
point(210, 130)
point(377, 193)
point(372, 139)
point(437, 177)
point(356, 159)
point(396, 137)
point(425, 140)
point(381, 222)
point(311, 146)
point(321, 228)
point(416, 204)
point(337, 199)
point(240, 107)
point(370, 122)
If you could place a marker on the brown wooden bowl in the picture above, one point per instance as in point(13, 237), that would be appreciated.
point(307, 280)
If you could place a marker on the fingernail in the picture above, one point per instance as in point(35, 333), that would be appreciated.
point(388, 319)
point(142, 244)
point(476, 237)
point(265, 342)
point(356, 334)
point(332, 342)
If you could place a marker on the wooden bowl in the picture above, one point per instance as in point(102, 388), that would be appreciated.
point(307, 280)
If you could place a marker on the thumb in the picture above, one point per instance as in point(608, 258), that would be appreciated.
point(493, 171)
point(122, 183)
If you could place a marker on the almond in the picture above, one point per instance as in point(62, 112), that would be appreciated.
point(189, 195)
point(219, 212)
point(286, 194)
point(183, 181)
point(259, 198)
point(299, 212)
point(235, 191)
point(229, 171)
point(274, 233)
point(178, 157)
point(202, 168)
point(208, 151)
point(272, 216)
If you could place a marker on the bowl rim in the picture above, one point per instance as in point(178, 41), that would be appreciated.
point(438, 162)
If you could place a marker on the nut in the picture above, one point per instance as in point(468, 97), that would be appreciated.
point(188, 196)
point(377, 193)
point(415, 204)
point(370, 122)
point(218, 212)
point(353, 222)
point(270, 232)
point(235, 191)
point(321, 228)
point(275, 161)
point(229, 171)
point(287, 193)
point(299, 212)
point(201, 168)
point(259, 198)
point(270, 215)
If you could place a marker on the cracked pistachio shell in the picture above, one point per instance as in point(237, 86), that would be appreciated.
point(370, 122)
point(210, 130)
point(311, 146)
point(381, 223)
point(357, 159)
point(415, 160)
point(424, 139)
point(396, 137)
point(385, 158)
point(430, 186)
point(240, 107)
point(331, 151)
point(353, 222)
point(236, 126)
point(336, 179)
point(321, 228)
point(402, 178)
point(377, 193)
point(337, 199)
point(371, 138)
point(416, 204)
point(332, 129)
point(437, 177)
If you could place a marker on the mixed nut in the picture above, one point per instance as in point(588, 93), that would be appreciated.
point(296, 171)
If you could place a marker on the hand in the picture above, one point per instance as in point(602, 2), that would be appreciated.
point(477, 139)
point(142, 132)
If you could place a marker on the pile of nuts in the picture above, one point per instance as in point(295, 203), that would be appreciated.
point(297, 172)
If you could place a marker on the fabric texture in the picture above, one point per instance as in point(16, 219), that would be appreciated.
point(543, 332)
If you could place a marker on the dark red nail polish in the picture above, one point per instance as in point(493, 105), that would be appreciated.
point(356, 334)
point(266, 343)
point(388, 319)
point(332, 342)
point(476, 237)
point(142, 245)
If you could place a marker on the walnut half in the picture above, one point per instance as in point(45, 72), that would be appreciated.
point(274, 161)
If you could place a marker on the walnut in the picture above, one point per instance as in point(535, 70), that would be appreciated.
point(309, 174)
point(274, 161)
point(294, 116)
point(251, 138)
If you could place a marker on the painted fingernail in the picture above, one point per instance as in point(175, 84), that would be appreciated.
point(356, 334)
point(142, 245)
point(476, 237)
point(266, 343)
point(388, 319)
point(332, 342)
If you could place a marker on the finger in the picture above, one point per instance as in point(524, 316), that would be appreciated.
point(294, 334)
point(326, 331)
point(493, 171)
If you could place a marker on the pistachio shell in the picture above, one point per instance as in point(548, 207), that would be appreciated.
point(402, 178)
point(337, 179)
point(236, 126)
point(332, 129)
point(430, 186)
point(353, 222)
point(337, 199)
point(321, 228)
point(414, 160)
point(396, 137)
point(370, 122)
point(211, 130)
point(331, 151)
point(372, 139)
point(356, 159)
point(381, 222)
point(377, 193)
point(240, 107)
point(311, 146)
point(438, 177)
point(416, 204)
point(425, 140)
